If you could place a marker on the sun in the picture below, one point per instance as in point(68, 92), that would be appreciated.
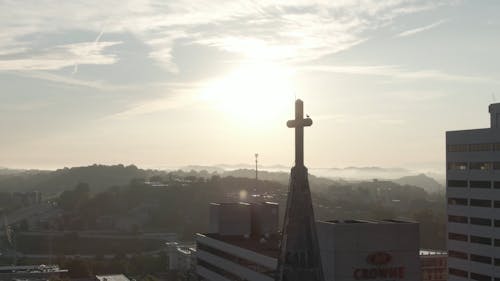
point(253, 93)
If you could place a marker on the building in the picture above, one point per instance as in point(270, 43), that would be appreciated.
point(350, 250)
point(434, 265)
point(180, 256)
point(114, 277)
point(473, 196)
point(31, 272)
point(364, 250)
point(242, 243)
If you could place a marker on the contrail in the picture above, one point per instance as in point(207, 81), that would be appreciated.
point(75, 68)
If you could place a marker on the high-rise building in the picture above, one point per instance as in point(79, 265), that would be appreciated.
point(473, 196)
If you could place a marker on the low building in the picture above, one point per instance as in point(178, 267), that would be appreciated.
point(350, 250)
point(181, 256)
point(113, 277)
point(434, 265)
point(31, 272)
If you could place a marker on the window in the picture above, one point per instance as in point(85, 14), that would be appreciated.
point(496, 204)
point(217, 270)
point(480, 184)
point(457, 183)
point(480, 221)
point(496, 165)
point(480, 165)
point(457, 254)
point(458, 219)
point(479, 277)
point(497, 242)
point(228, 256)
point(480, 203)
point(457, 201)
point(497, 184)
point(481, 259)
point(497, 262)
point(496, 146)
point(458, 272)
point(480, 240)
point(457, 148)
point(480, 147)
point(457, 166)
point(457, 236)
point(497, 223)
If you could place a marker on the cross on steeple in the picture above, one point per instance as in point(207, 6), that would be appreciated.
point(299, 123)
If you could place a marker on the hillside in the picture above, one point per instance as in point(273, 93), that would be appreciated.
point(99, 177)
point(427, 183)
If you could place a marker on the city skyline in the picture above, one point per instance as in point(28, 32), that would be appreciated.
point(169, 85)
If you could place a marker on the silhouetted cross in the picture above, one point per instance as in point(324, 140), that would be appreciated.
point(299, 123)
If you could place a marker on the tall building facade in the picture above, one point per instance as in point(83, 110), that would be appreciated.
point(473, 197)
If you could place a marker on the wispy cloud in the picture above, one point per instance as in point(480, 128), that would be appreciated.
point(398, 72)
point(71, 81)
point(274, 29)
point(62, 56)
point(421, 29)
point(356, 118)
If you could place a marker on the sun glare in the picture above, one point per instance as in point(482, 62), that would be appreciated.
point(253, 93)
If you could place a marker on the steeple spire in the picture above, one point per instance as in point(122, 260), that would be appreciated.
point(299, 259)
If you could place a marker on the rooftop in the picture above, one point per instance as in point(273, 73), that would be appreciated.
point(115, 277)
point(387, 221)
point(428, 252)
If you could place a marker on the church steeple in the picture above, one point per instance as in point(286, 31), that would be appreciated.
point(299, 258)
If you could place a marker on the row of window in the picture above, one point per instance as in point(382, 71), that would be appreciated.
point(218, 270)
point(473, 184)
point(462, 166)
point(473, 276)
point(236, 259)
point(474, 202)
point(474, 257)
point(474, 239)
point(474, 220)
point(473, 147)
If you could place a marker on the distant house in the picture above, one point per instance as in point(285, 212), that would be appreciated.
point(114, 277)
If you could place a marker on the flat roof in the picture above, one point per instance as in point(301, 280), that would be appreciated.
point(230, 204)
point(113, 277)
point(386, 221)
point(429, 252)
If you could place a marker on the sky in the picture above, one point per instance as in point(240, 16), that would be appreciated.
point(163, 84)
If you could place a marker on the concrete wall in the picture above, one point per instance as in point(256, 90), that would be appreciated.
point(265, 218)
point(230, 219)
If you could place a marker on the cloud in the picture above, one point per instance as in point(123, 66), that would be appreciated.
point(71, 81)
point(176, 95)
point(361, 118)
point(394, 71)
point(62, 56)
point(421, 29)
point(293, 30)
